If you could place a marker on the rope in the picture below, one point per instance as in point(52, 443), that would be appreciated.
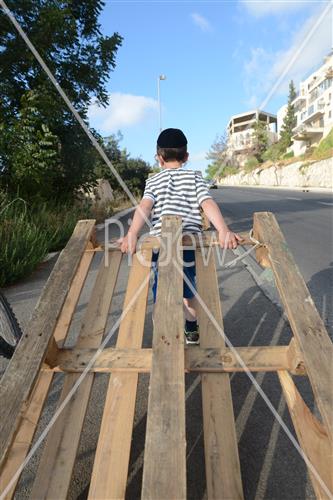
point(245, 254)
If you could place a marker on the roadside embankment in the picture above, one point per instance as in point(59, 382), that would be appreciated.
point(317, 174)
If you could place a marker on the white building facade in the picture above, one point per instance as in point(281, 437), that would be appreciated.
point(314, 108)
point(240, 133)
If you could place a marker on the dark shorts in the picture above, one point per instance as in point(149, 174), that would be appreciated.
point(189, 272)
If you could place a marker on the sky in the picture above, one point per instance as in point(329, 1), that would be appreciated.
point(219, 57)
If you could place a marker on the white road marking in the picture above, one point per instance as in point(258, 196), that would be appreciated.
point(329, 204)
point(292, 198)
point(268, 461)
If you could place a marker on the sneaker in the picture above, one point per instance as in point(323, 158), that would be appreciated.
point(192, 337)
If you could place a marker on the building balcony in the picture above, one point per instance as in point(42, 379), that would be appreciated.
point(313, 112)
point(299, 100)
point(329, 72)
point(306, 132)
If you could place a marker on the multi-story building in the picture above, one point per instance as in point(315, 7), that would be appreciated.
point(240, 134)
point(314, 108)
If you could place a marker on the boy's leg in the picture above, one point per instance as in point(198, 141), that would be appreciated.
point(190, 301)
point(190, 306)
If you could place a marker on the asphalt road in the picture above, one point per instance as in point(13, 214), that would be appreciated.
point(271, 467)
point(306, 219)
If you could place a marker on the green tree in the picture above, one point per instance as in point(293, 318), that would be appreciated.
point(67, 35)
point(212, 170)
point(217, 154)
point(34, 153)
point(290, 120)
point(260, 140)
point(133, 171)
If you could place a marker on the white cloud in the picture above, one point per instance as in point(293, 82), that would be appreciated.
point(260, 8)
point(123, 110)
point(306, 51)
point(198, 157)
point(201, 22)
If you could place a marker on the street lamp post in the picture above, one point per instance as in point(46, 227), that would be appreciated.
point(161, 77)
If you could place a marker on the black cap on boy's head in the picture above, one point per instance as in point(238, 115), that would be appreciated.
point(171, 138)
point(172, 145)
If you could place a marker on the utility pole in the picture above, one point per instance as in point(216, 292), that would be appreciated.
point(161, 77)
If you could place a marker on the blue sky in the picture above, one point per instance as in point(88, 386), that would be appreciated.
point(220, 58)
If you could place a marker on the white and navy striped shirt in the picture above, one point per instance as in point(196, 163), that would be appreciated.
point(177, 192)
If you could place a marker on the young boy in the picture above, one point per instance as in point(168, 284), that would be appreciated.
point(176, 191)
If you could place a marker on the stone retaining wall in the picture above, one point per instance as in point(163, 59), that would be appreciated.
point(300, 174)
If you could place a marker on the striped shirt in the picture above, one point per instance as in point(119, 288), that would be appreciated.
point(177, 192)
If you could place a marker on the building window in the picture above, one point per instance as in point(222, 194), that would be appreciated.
point(326, 84)
point(311, 110)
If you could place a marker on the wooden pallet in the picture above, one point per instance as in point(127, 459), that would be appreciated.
point(25, 385)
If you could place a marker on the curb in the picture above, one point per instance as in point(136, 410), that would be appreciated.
point(306, 189)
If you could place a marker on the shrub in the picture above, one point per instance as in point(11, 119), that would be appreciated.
point(228, 170)
point(274, 152)
point(29, 232)
point(251, 164)
point(290, 154)
point(58, 222)
point(22, 243)
point(325, 147)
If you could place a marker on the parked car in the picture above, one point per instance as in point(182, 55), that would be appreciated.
point(213, 184)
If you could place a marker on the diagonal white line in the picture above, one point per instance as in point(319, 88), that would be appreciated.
point(268, 460)
point(323, 14)
point(296, 54)
point(253, 380)
point(62, 93)
point(74, 389)
point(262, 319)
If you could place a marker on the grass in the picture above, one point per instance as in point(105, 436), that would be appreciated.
point(28, 233)
point(22, 243)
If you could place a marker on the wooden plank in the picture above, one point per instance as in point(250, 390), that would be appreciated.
point(205, 239)
point(313, 341)
point(25, 434)
point(223, 359)
point(109, 476)
point(221, 451)
point(23, 439)
point(164, 471)
point(199, 360)
point(22, 371)
point(312, 437)
point(55, 469)
point(64, 322)
point(296, 362)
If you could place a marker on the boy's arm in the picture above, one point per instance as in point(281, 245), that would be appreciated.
point(227, 238)
point(141, 214)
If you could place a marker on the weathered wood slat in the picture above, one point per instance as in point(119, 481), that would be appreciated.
point(64, 322)
point(21, 374)
point(164, 471)
point(197, 359)
point(312, 437)
point(23, 439)
point(29, 422)
point(314, 343)
point(109, 476)
point(55, 469)
point(221, 450)
point(205, 239)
